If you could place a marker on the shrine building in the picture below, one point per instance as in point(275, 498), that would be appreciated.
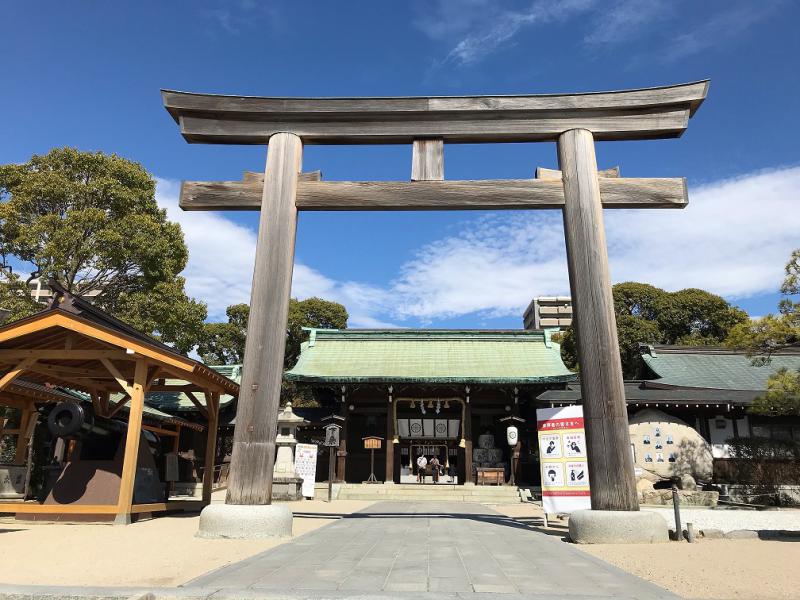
point(431, 392)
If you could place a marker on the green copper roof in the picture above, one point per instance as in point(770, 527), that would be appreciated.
point(429, 356)
point(179, 402)
point(714, 368)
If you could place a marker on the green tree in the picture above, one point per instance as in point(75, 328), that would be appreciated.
point(15, 297)
point(647, 314)
point(223, 343)
point(695, 317)
point(91, 222)
point(761, 338)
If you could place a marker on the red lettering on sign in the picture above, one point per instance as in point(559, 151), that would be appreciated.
point(556, 424)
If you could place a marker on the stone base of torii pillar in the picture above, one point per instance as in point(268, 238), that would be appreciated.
point(245, 521)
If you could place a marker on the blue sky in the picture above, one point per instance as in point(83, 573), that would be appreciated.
point(88, 74)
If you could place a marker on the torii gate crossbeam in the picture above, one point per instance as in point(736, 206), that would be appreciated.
point(574, 121)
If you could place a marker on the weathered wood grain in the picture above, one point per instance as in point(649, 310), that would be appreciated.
point(634, 124)
point(544, 173)
point(250, 480)
point(254, 107)
point(435, 195)
point(427, 160)
point(606, 421)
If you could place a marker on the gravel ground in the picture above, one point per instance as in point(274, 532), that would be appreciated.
point(732, 519)
point(751, 569)
point(158, 552)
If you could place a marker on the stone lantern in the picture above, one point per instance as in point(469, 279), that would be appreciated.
point(286, 485)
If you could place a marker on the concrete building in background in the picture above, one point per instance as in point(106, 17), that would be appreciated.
point(548, 312)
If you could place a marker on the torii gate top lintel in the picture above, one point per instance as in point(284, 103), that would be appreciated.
point(647, 113)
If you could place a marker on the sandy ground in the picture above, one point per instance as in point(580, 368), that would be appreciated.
point(718, 569)
point(158, 552)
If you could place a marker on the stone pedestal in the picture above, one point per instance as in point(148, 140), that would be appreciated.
point(617, 527)
point(287, 488)
point(238, 521)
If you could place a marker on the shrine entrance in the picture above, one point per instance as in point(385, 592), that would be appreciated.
point(445, 453)
point(572, 121)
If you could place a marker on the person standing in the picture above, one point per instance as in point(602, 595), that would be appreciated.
point(435, 468)
point(422, 464)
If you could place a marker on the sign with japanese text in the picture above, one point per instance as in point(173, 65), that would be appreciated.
point(332, 434)
point(562, 457)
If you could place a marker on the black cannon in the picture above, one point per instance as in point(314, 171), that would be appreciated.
point(99, 437)
point(90, 469)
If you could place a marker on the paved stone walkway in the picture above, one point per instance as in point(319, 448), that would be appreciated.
point(430, 547)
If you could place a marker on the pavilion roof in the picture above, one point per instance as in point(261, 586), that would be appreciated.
point(69, 339)
point(429, 356)
point(713, 367)
point(179, 401)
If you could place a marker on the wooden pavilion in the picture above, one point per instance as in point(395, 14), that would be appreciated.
point(75, 346)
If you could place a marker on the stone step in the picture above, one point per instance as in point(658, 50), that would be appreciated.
point(427, 498)
point(431, 493)
point(437, 492)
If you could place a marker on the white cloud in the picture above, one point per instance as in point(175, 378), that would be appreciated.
point(733, 240)
point(220, 268)
point(620, 22)
point(476, 28)
point(483, 27)
point(221, 253)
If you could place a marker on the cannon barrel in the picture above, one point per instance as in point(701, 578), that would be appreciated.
point(72, 420)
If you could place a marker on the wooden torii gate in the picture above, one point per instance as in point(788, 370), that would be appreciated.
point(573, 121)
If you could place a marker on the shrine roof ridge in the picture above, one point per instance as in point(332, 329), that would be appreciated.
point(643, 113)
point(418, 334)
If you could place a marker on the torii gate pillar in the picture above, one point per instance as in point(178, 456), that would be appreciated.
point(608, 445)
point(248, 510)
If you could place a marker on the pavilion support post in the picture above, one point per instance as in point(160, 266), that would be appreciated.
point(22, 438)
point(131, 456)
point(211, 445)
point(608, 442)
point(259, 399)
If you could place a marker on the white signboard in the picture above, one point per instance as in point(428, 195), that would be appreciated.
point(305, 465)
point(562, 457)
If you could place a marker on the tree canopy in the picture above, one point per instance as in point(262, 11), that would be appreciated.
point(647, 314)
point(763, 337)
point(223, 343)
point(91, 222)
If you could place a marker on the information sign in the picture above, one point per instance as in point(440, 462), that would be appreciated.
point(562, 456)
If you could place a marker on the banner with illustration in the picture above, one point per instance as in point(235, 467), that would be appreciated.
point(305, 465)
point(562, 457)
